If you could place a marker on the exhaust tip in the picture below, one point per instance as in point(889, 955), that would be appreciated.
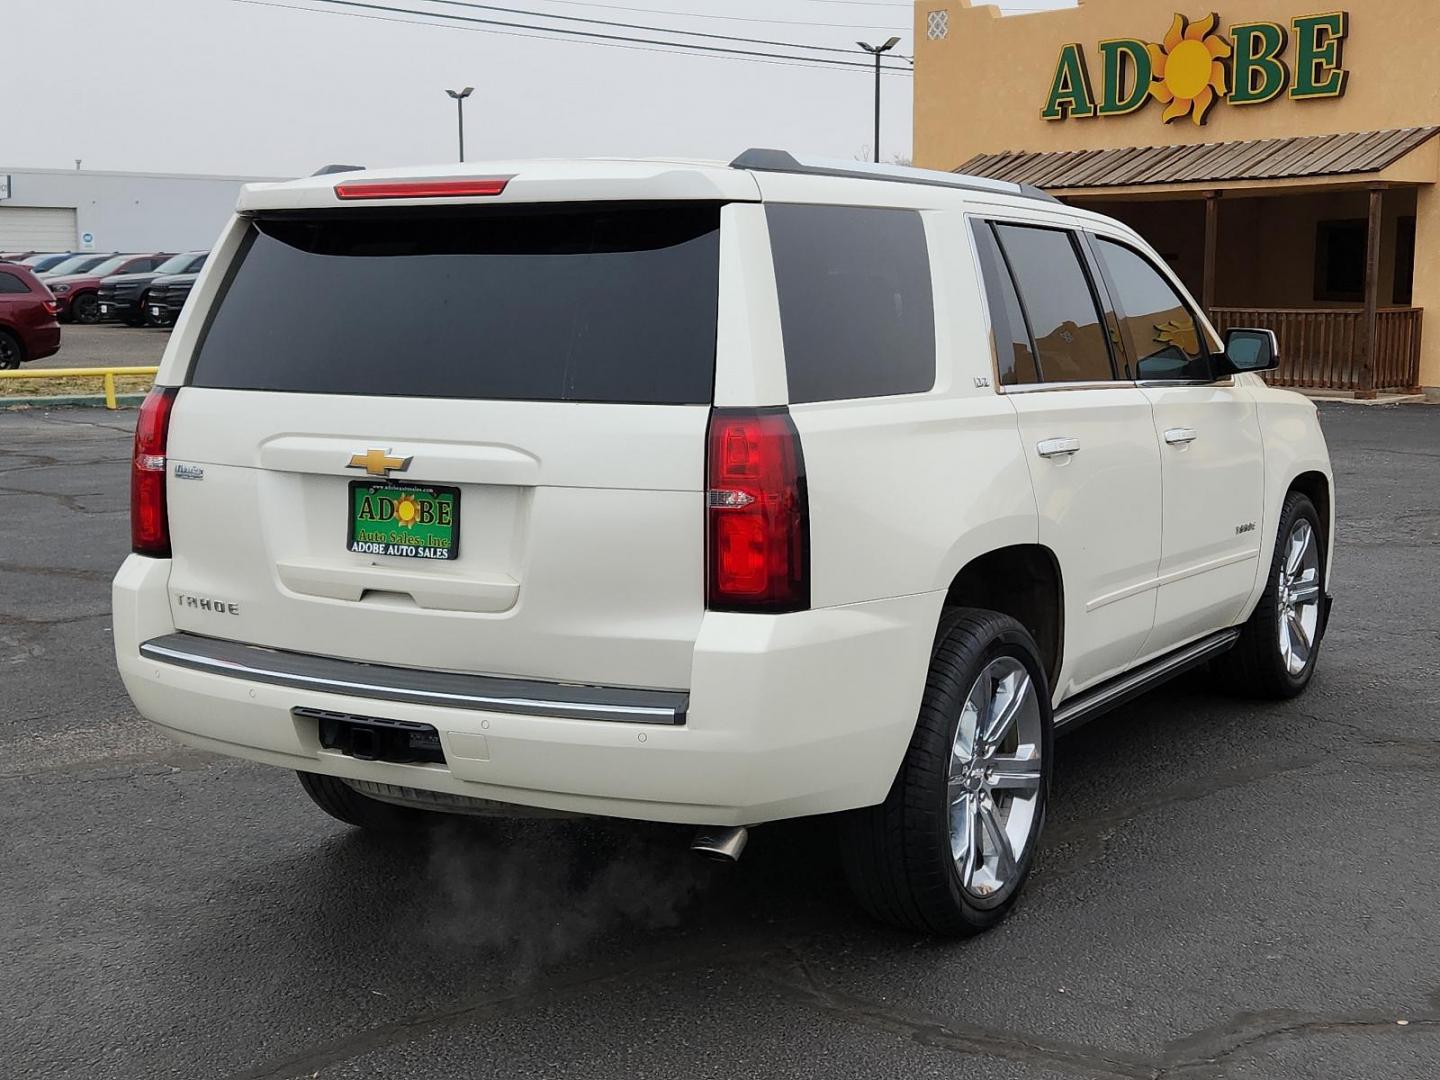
point(723, 843)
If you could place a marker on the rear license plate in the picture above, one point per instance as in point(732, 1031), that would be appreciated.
point(409, 521)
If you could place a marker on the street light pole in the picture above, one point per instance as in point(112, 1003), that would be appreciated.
point(460, 96)
point(878, 51)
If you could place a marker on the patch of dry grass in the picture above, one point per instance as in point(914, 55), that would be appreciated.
point(72, 387)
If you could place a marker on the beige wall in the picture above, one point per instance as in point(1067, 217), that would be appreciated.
point(981, 89)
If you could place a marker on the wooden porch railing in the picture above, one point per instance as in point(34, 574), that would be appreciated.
point(1324, 348)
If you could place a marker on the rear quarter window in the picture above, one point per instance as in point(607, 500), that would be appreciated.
point(12, 283)
point(857, 311)
point(601, 303)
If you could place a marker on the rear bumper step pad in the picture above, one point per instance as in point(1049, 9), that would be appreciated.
point(481, 693)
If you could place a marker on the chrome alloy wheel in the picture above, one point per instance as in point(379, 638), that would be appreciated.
point(994, 778)
point(1299, 597)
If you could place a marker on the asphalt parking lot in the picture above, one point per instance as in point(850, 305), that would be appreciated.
point(1226, 890)
point(107, 345)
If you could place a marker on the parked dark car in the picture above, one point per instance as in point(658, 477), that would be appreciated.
point(168, 294)
point(127, 296)
point(38, 264)
point(28, 330)
point(79, 293)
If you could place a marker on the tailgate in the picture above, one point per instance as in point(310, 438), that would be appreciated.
point(461, 441)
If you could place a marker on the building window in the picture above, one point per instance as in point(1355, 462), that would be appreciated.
point(1405, 262)
point(938, 25)
point(1340, 261)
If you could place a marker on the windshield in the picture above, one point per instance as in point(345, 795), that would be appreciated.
point(176, 264)
point(602, 303)
point(77, 264)
point(109, 266)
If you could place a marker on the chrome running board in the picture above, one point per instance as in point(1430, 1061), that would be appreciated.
point(417, 686)
point(1087, 706)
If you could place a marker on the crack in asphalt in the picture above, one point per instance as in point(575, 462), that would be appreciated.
point(1204, 1049)
point(47, 462)
point(406, 1029)
point(69, 502)
point(1249, 1031)
point(7, 619)
point(1096, 828)
point(73, 572)
point(972, 1039)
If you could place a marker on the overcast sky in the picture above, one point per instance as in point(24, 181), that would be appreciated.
point(279, 87)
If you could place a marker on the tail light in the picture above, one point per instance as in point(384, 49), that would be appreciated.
point(757, 514)
point(52, 307)
point(149, 520)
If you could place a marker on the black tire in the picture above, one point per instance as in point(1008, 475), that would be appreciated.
point(344, 803)
point(1255, 667)
point(898, 855)
point(12, 354)
point(85, 309)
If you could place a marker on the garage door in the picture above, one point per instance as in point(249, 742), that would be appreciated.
point(37, 228)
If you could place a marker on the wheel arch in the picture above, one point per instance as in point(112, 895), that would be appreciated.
point(1025, 582)
point(1315, 486)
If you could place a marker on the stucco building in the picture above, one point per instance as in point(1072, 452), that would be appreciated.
point(1283, 156)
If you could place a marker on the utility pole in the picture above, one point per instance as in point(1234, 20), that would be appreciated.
point(878, 51)
point(460, 96)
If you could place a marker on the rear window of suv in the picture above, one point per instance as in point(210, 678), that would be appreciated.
point(613, 303)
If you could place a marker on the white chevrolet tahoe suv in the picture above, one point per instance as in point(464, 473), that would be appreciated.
point(707, 494)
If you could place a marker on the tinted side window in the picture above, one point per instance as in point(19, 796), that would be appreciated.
point(1014, 351)
point(1161, 334)
point(9, 283)
point(1055, 291)
point(856, 309)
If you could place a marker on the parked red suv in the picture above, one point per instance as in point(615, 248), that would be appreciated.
point(28, 330)
point(78, 294)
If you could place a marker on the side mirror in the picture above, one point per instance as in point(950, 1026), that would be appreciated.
point(1251, 350)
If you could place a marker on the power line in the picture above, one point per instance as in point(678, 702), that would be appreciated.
point(724, 18)
point(575, 37)
point(640, 26)
point(593, 34)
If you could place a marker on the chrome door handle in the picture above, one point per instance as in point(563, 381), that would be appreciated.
point(1181, 436)
point(1057, 448)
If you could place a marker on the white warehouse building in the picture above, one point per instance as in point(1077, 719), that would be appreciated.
point(78, 210)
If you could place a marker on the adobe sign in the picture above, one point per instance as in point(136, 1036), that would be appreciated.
point(1197, 66)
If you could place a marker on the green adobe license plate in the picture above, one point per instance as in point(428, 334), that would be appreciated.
point(410, 521)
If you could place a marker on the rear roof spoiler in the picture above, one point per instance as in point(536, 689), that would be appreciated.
point(782, 161)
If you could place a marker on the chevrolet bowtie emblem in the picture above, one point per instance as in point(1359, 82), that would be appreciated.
point(379, 462)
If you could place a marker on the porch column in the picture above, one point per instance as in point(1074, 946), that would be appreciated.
point(1372, 294)
point(1427, 285)
point(1212, 243)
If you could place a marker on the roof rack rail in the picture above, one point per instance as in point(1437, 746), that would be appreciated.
point(782, 161)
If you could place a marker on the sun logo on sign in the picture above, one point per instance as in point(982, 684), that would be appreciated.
point(407, 513)
point(1189, 69)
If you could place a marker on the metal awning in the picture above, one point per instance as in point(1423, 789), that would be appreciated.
point(1257, 159)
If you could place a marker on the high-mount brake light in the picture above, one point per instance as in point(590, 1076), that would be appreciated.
point(149, 518)
point(421, 189)
point(757, 515)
